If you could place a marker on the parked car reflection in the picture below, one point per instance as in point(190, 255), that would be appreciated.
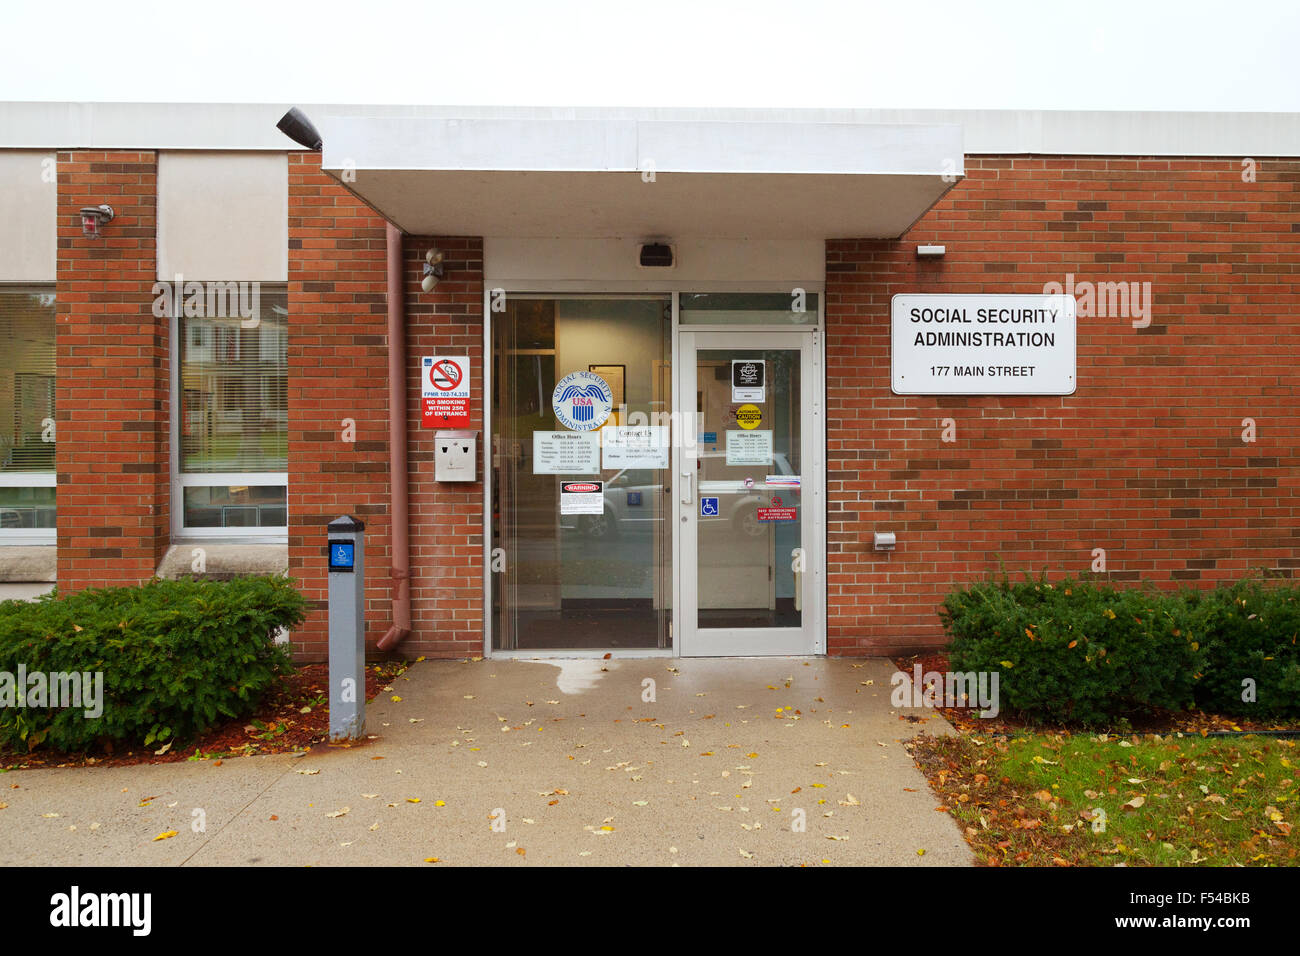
point(635, 499)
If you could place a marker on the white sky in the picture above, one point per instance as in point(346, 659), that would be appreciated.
point(968, 54)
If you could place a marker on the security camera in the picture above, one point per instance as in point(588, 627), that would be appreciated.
point(299, 128)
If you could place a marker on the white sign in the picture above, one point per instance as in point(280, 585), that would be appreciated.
point(752, 447)
point(747, 380)
point(566, 453)
point(582, 401)
point(582, 497)
point(639, 446)
point(983, 345)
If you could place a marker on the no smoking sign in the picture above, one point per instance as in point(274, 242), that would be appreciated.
point(444, 391)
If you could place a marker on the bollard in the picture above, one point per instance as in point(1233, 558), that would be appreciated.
point(347, 591)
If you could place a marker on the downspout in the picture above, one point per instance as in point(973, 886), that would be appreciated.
point(397, 469)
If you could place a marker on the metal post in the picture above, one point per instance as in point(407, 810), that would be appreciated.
point(347, 603)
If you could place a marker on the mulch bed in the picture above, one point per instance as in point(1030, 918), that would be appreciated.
point(296, 717)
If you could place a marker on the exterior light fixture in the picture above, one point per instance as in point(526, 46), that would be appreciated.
point(656, 255)
point(93, 217)
point(433, 269)
point(930, 252)
point(299, 128)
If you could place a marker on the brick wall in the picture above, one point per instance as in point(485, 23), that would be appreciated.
point(446, 519)
point(338, 371)
point(1145, 460)
point(112, 381)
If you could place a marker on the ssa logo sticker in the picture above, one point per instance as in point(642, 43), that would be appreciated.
point(582, 401)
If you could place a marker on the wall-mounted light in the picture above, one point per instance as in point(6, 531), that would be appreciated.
point(299, 128)
point(930, 252)
point(93, 218)
point(433, 269)
point(655, 255)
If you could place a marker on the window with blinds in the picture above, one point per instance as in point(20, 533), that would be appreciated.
point(27, 429)
point(234, 410)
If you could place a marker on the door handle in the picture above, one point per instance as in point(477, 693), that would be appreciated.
point(688, 496)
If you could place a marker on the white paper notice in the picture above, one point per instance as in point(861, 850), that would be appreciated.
point(582, 497)
point(566, 453)
point(634, 446)
point(752, 447)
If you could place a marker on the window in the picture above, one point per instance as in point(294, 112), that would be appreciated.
point(748, 308)
point(27, 429)
point(232, 433)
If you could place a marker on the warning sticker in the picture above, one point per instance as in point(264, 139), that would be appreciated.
point(444, 391)
point(582, 497)
point(749, 416)
point(777, 514)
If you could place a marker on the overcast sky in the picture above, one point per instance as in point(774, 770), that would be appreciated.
point(1091, 54)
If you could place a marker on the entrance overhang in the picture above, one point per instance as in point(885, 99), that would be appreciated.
point(679, 178)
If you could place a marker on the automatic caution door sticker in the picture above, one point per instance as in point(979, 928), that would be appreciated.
point(749, 416)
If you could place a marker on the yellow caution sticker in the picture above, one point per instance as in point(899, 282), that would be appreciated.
point(749, 416)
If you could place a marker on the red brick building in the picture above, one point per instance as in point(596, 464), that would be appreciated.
point(714, 360)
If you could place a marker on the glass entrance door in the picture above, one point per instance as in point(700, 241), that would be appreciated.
point(746, 494)
point(581, 498)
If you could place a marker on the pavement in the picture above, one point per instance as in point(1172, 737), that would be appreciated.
point(658, 761)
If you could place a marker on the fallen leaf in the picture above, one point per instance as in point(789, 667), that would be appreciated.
point(165, 835)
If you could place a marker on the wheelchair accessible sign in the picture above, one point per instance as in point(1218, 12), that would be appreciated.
point(708, 507)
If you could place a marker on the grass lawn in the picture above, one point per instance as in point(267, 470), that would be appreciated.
point(1163, 800)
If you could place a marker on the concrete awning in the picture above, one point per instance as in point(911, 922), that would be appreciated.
point(669, 178)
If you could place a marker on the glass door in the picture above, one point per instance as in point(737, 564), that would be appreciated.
point(746, 494)
point(580, 432)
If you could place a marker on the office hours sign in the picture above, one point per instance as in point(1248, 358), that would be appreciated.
point(444, 391)
point(983, 345)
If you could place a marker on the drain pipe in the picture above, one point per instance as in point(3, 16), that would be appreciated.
point(397, 468)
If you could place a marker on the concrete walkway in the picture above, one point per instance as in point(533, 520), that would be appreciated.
point(718, 769)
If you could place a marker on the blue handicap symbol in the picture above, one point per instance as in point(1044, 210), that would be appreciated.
point(708, 507)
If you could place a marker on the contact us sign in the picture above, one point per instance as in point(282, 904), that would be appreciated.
point(983, 345)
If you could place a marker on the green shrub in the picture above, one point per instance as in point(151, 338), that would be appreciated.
point(177, 657)
point(1250, 634)
point(1082, 652)
point(1074, 651)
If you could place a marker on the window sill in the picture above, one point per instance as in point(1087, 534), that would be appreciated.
point(222, 560)
point(34, 563)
